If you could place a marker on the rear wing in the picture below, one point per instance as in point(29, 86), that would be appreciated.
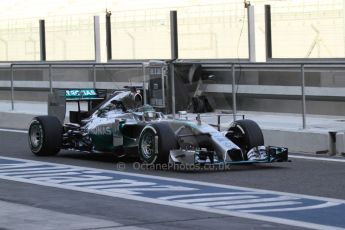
point(58, 99)
point(84, 94)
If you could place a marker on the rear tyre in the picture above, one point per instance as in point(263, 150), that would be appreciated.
point(246, 134)
point(155, 143)
point(45, 135)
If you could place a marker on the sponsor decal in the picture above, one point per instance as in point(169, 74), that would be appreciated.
point(84, 93)
point(100, 130)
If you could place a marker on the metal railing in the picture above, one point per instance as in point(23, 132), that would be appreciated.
point(294, 66)
point(224, 65)
point(51, 65)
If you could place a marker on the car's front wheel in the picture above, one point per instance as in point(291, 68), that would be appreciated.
point(45, 135)
point(155, 143)
point(246, 134)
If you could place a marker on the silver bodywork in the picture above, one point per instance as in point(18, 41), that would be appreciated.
point(109, 122)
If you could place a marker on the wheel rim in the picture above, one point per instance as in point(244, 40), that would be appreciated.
point(148, 145)
point(36, 135)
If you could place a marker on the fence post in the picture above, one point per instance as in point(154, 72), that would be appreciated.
point(251, 33)
point(268, 32)
point(173, 34)
point(42, 27)
point(144, 84)
point(108, 35)
point(303, 98)
point(173, 99)
point(94, 75)
point(12, 87)
point(97, 38)
point(234, 109)
point(174, 56)
point(50, 79)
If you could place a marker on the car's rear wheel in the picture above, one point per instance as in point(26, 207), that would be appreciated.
point(246, 134)
point(155, 143)
point(45, 135)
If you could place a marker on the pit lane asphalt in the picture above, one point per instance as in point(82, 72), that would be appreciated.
point(301, 176)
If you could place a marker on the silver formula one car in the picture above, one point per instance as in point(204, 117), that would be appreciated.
point(121, 124)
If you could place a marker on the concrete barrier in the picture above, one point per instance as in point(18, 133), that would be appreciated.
point(300, 141)
point(15, 120)
point(340, 143)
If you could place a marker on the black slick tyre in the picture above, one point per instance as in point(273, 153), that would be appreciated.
point(246, 134)
point(45, 135)
point(155, 142)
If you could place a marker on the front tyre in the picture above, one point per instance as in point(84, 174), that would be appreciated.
point(155, 143)
point(45, 135)
point(246, 134)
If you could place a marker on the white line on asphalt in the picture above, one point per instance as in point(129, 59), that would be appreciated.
point(246, 201)
point(317, 158)
point(42, 169)
point(324, 205)
point(151, 189)
point(223, 198)
point(87, 183)
point(181, 205)
point(45, 176)
point(25, 165)
point(206, 194)
point(37, 173)
point(258, 205)
point(14, 130)
point(119, 184)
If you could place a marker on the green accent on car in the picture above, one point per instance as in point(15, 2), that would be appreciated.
point(102, 142)
point(122, 124)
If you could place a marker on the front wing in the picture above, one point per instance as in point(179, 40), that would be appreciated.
point(194, 157)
